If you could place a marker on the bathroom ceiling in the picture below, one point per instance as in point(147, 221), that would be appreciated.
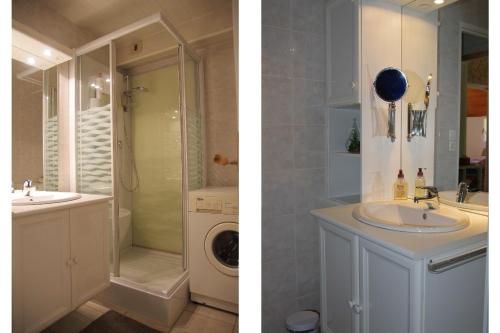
point(193, 18)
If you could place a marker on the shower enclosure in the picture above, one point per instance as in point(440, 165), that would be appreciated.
point(138, 137)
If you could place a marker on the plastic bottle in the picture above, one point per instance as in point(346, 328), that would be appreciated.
point(400, 187)
point(420, 182)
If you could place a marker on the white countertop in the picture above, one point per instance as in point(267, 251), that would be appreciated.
point(412, 245)
point(86, 199)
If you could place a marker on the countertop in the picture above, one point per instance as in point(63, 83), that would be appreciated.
point(412, 245)
point(86, 199)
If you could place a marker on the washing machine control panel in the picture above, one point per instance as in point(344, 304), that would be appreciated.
point(214, 203)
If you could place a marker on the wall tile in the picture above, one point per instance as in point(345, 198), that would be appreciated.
point(277, 148)
point(276, 13)
point(309, 301)
point(308, 60)
point(274, 313)
point(280, 279)
point(313, 115)
point(309, 144)
point(278, 237)
point(309, 188)
point(308, 16)
point(276, 101)
point(308, 93)
point(278, 197)
point(276, 57)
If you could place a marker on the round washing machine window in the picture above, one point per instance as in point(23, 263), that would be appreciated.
point(222, 246)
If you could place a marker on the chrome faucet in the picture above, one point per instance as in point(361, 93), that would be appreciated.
point(462, 191)
point(27, 185)
point(432, 194)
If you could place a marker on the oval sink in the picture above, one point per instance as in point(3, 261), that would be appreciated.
point(42, 197)
point(473, 200)
point(410, 217)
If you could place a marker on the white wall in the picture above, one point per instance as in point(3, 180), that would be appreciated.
point(405, 39)
point(380, 48)
point(419, 59)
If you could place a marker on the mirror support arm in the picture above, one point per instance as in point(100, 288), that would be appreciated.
point(391, 122)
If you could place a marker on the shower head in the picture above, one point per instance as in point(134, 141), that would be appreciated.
point(138, 88)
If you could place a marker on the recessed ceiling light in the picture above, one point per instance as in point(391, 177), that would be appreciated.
point(107, 80)
point(30, 61)
point(438, 2)
point(47, 53)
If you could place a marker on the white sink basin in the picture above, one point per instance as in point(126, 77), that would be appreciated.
point(42, 197)
point(410, 217)
point(473, 200)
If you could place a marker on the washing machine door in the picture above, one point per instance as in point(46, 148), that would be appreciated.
point(221, 247)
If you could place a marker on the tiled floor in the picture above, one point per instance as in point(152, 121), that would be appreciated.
point(195, 319)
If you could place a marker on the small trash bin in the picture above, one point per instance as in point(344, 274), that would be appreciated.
point(303, 321)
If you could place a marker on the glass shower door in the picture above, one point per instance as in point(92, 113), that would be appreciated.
point(94, 132)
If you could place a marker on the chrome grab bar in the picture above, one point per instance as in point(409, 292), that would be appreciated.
point(447, 264)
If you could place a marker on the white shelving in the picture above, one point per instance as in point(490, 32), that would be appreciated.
point(344, 168)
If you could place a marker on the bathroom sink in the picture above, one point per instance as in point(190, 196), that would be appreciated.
point(473, 200)
point(410, 217)
point(42, 197)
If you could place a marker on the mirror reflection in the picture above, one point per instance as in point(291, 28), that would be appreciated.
point(473, 145)
point(34, 126)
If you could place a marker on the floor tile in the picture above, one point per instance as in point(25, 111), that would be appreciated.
point(211, 313)
point(190, 322)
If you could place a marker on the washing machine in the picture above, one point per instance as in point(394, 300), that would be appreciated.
point(213, 247)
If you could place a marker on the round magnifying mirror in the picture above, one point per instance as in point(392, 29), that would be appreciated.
point(390, 84)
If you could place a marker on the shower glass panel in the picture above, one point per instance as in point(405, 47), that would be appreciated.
point(93, 123)
point(156, 141)
point(193, 124)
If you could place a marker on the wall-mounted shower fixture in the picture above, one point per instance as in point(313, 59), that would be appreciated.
point(127, 96)
point(391, 85)
point(417, 119)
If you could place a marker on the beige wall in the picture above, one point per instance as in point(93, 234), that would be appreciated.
point(49, 23)
point(221, 124)
point(27, 143)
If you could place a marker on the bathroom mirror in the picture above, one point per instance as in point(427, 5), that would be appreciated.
point(35, 126)
point(390, 85)
point(451, 42)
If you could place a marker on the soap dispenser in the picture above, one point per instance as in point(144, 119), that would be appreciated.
point(419, 184)
point(400, 187)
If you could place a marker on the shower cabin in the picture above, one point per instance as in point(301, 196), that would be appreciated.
point(138, 137)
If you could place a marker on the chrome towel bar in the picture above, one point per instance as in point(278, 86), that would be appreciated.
point(447, 264)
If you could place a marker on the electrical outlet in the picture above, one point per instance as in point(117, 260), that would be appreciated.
point(452, 135)
point(452, 146)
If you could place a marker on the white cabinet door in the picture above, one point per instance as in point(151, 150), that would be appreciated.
point(389, 291)
point(339, 280)
point(41, 270)
point(89, 251)
point(343, 44)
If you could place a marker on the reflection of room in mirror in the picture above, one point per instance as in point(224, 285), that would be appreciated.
point(35, 126)
point(27, 117)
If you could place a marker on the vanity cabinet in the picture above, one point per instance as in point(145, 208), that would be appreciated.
point(368, 288)
point(342, 52)
point(60, 260)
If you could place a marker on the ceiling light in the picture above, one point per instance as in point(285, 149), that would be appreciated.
point(47, 53)
point(107, 80)
point(438, 2)
point(30, 61)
